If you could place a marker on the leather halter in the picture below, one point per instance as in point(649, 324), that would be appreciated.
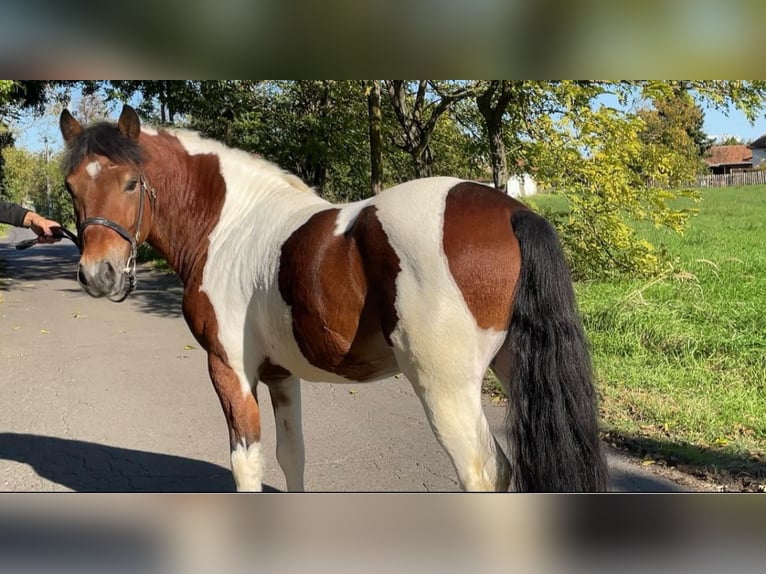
point(134, 239)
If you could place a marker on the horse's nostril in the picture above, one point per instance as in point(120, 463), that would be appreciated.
point(108, 272)
point(81, 277)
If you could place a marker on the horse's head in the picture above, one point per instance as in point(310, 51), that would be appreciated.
point(112, 201)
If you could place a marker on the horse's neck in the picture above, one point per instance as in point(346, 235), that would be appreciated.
point(189, 208)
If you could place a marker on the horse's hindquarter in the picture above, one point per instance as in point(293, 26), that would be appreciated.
point(459, 265)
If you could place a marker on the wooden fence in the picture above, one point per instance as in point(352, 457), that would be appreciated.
point(731, 179)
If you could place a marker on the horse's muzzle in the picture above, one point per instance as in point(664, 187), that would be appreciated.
point(103, 279)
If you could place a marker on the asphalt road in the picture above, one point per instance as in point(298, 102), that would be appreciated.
point(98, 396)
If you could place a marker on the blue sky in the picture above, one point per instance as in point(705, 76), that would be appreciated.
point(718, 124)
point(31, 131)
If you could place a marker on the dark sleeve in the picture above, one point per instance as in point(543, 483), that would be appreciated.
point(12, 213)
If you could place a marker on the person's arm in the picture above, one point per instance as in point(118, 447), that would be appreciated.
point(13, 214)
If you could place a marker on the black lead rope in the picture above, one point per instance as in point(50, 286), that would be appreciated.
point(58, 232)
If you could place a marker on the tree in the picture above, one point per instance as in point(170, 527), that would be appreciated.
point(492, 101)
point(32, 180)
point(317, 129)
point(675, 127)
point(376, 136)
point(162, 100)
point(17, 96)
point(730, 140)
point(417, 112)
point(595, 156)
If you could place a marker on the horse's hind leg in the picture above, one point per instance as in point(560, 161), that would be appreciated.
point(452, 402)
point(286, 401)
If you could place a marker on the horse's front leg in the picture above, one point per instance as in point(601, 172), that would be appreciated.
point(243, 416)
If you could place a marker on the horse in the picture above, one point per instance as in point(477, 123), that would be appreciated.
point(438, 279)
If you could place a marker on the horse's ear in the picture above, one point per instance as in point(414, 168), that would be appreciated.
point(129, 124)
point(70, 127)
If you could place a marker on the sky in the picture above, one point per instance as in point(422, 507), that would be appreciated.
point(32, 131)
point(718, 125)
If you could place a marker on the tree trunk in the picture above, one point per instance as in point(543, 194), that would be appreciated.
point(423, 163)
point(497, 153)
point(492, 110)
point(376, 137)
point(417, 115)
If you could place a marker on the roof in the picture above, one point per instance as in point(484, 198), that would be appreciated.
point(760, 143)
point(728, 154)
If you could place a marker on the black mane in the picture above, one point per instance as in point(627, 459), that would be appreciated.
point(102, 139)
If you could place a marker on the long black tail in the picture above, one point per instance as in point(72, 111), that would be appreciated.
point(552, 417)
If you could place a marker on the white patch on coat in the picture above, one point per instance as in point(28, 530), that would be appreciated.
point(262, 208)
point(93, 169)
point(347, 215)
point(247, 467)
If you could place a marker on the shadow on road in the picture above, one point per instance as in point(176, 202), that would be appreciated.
point(90, 467)
point(157, 292)
point(39, 263)
point(737, 470)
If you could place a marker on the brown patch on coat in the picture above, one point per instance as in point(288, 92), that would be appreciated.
point(482, 251)
point(268, 372)
point(190, 195)
point(341, 291)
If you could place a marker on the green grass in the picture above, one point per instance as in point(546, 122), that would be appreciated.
point(681, 358)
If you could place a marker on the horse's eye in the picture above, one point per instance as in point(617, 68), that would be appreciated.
point(131, 186)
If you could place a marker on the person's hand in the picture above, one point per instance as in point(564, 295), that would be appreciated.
point(44, 228)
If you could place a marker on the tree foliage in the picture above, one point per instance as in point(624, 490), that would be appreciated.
point(34, 181)
point(617, 151)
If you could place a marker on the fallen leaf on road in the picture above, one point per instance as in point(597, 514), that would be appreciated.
point(648, 461)
point(16, 327)
point(44, 331)
point(189, 347)
point(353, 392)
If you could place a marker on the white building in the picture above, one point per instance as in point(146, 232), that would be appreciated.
point(521, 186)
point(758, 147)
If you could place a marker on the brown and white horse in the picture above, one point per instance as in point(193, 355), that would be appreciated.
point(437, 278)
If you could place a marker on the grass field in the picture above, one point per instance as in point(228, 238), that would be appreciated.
point(681, 358)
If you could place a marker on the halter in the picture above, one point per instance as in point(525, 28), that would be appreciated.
point(133, 239)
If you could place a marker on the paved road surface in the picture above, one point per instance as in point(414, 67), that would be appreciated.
point(98, 396)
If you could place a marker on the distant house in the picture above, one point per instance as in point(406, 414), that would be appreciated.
point(728, 158)
point(758, 149)
point(522, 185)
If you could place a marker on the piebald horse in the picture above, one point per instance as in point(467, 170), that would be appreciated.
point(438, 279)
